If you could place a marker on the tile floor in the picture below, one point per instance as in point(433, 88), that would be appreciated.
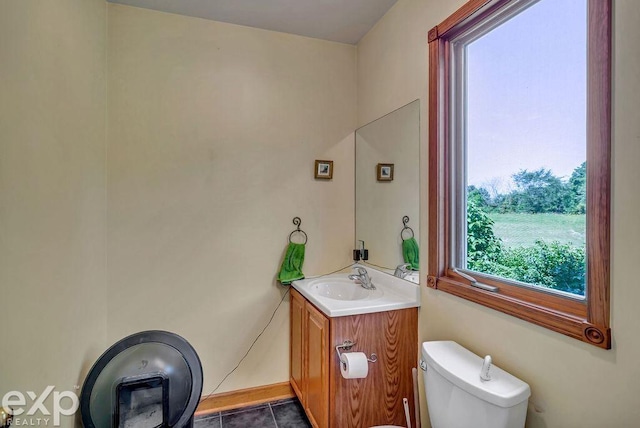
point(278, 414)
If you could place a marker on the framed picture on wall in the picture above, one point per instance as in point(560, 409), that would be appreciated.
point(385, 171)
point(324, 169)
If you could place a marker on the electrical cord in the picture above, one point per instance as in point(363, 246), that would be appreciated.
point(373, 264)
point(250, 347)
point(331, 273)
point(265, 328)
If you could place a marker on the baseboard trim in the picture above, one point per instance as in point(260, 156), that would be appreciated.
point(244, 397)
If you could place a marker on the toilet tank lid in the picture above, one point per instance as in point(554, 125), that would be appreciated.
point(462, 368)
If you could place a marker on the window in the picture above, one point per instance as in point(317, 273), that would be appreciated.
point(519, 160)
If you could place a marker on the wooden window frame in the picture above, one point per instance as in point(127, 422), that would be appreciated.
point(586, 320)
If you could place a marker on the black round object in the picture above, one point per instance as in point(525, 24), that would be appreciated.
point(147, 355)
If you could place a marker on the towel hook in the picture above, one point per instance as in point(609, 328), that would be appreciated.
point(405, 220)
point(298, 222)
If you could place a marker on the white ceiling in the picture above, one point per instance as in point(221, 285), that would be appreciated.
point(343, 21)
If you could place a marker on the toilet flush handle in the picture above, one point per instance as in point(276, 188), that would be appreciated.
point(486, 366)
point(423, 365)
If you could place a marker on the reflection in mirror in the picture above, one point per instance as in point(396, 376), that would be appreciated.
point(387, 188)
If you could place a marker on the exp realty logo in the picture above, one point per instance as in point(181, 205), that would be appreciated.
point(36, 413)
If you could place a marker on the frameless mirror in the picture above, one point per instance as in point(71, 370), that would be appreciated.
point(387, 189)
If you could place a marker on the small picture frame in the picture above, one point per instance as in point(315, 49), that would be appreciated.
point(385, 171)
point(324, 169)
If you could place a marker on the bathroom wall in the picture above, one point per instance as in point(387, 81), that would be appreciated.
point(213, 131)
point(52, 192)
point(573, 384)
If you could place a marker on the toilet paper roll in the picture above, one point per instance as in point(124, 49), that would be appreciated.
point(354, 365)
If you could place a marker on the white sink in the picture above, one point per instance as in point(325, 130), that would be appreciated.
point(336, 295)
point(342, 289)
point(413, 277)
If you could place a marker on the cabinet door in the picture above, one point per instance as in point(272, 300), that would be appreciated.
point(317, 367)
point(297, 348)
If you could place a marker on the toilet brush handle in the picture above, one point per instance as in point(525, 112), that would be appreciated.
point(416, 396)
point(407, 415)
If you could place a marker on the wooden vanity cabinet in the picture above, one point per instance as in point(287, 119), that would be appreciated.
point(329, 400)
point(309, 359)
point(296, 342)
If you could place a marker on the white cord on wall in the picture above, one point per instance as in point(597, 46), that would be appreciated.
point(264, 329)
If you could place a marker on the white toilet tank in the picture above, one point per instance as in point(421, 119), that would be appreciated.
point(458, 398)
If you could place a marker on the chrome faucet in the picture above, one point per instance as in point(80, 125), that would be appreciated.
point(402, 270)
point(362, 278)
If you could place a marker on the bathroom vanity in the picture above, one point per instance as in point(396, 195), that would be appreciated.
point(328, 311)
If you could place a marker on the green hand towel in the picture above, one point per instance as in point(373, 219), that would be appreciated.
point(291, 269)
point(411, 253)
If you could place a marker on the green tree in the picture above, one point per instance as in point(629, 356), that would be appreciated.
point(550, 264)
point(539, 192)
point(578, 188)
point(479, 196)
point(483, 246)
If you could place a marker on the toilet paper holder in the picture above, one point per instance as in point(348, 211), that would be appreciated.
point(347, 345)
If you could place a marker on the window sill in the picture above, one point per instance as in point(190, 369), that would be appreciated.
point(565, 323)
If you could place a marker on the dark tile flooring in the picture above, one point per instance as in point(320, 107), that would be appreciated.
point(278, 414)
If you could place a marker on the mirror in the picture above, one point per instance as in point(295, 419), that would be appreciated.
point(387, 186)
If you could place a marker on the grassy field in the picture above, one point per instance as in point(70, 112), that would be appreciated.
point(525, 229)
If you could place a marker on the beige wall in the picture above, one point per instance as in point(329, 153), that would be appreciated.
point(573, 384)
point(52, 192)
point(213, 131)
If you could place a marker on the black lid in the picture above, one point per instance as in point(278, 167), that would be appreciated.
point(149, 353)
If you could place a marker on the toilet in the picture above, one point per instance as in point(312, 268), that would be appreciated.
point(458, 398)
